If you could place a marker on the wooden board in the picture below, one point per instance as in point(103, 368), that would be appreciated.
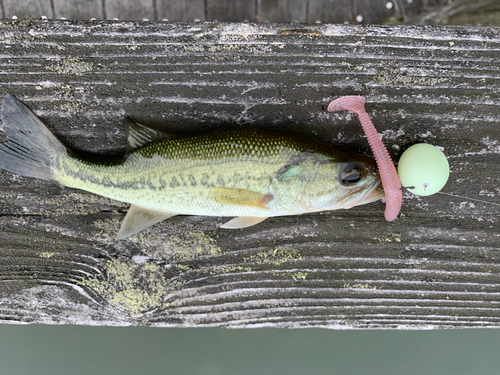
point(181, 10)
point(333, 11)
point(129, 10)
point(336, 11)
point(437, 266)
point(235, 10)
point(27, 8)
point(79, 9)
point(282, 11)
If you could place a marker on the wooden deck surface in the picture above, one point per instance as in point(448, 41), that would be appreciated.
point(437, 266)
point(333, 11)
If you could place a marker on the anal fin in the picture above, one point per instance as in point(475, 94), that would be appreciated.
point(242, 222)
point(138, 219)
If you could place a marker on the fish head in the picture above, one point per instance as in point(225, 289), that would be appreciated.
point(359, 183)
point(342, 184)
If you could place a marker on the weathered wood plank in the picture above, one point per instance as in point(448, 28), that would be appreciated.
point(235, 10)
point(181, 10)
point(28, 8)
point(436, 266)
point(336, 11)
point(78, 9)
point(282, 10)
point(130, 10)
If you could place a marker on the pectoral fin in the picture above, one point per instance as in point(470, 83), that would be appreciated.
point(242, 222)
point(139, 218)
point(241, 197)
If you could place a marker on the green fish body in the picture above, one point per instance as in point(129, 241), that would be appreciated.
point(248, 173)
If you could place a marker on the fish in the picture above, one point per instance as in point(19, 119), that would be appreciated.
point(247, 173)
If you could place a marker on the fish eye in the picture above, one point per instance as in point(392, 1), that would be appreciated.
point(352, 174)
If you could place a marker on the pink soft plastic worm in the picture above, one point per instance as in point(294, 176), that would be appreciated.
point(388, 174)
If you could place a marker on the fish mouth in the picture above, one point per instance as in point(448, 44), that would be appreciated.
point(371, 194)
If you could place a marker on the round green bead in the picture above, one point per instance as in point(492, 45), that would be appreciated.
point(425, 167)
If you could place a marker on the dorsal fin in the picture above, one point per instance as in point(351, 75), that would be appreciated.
point(139, 135)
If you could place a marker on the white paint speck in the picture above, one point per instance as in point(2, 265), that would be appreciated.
point(389, 5)
point(410, 1)
point(392, 134)
point(359, 18)
point(14, 17)
point(139, 259)
point(492, 144)
point(486, 193)
point(427, 134)
point(466, 205)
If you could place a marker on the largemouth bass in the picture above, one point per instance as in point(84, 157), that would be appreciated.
point(248, 173)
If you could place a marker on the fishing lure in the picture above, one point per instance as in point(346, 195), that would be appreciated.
point(388, 174)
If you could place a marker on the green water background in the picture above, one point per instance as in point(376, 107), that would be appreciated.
point(72, 350)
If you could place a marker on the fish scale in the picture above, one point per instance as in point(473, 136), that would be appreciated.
point(176, 175)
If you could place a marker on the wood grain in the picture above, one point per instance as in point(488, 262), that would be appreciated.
point(181, 10)
point(333, 11)
point(282, 11)
point(79, 9)
point(129, 10)
point(27, 8)
point(437, 266)
point(231, 11)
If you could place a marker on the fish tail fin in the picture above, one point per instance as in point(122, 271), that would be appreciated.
point(31, 150)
